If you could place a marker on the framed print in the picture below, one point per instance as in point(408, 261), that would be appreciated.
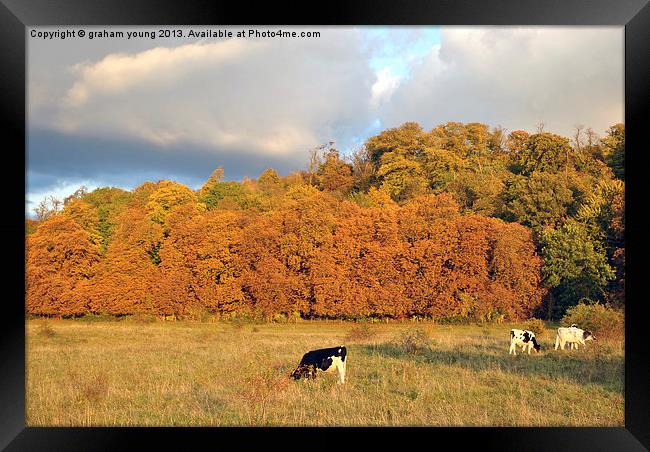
point(384, 215)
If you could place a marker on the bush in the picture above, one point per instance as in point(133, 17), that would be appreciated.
point(537, 326)
point(142, 318)
point(198, 314)
point(413, 341)
point(602, 320)
point(453, 320)
point(279, 318)
point(90, 317)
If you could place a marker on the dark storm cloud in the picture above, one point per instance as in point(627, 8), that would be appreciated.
point(53, 157)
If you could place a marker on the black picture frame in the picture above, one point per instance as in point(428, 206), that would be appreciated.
point(16, 15)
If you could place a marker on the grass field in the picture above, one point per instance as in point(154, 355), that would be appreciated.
point(124, 373)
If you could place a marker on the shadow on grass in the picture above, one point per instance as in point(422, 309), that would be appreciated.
point(581, 367)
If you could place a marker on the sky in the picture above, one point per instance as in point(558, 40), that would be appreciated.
point(119, 111)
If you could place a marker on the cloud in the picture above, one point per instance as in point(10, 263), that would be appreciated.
point(122, 112)
point(384, 87)
point(117, 73)
point(251, 96)
point(516, 77)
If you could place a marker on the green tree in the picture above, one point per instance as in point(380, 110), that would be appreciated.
point(408, 140)
point(575, 265)
point(542, 199)
point(216, 194)
point(228, 195)
point(479, 193)
point(401, 177)
point(545, 152)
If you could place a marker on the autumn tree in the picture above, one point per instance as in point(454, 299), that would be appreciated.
point(61, 260)
point(614, 144)
point(108, 202)
point(412, 225)
point(335, 175)
point(125, 281)
point(269, 181)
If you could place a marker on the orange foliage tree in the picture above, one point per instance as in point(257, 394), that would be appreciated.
point(61, 260)
point(401, 246)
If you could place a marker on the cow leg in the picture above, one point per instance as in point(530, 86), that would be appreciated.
point(340, 367)
point(512, 348)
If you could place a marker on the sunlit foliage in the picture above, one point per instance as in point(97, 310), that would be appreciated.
point(459, 222)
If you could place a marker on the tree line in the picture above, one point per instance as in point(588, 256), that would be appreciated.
point(462, 221)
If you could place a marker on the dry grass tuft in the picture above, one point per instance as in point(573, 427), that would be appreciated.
point(260, 388)
point(95, 388)
point(237, 325)
point(46, 331)
point(360, 334)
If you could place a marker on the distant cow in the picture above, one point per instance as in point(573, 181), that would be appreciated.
point(525, 339)
point(573, 336)
point(324, 359)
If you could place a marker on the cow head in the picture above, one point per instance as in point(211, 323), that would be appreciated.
point(536, 345)
point(303, 372)
point(588, 336)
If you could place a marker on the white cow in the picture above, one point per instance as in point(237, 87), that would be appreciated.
point(525, 339)
point(572, 336)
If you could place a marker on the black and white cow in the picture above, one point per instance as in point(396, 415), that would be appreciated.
point(525, 339)
point(324, 359)
point(572, 336)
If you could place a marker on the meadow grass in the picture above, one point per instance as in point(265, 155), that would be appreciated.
point(105, 373)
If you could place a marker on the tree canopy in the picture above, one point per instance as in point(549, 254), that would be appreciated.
point(462, 221)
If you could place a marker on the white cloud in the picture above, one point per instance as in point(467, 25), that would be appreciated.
point(384, 87)
point(517, 77)
point(117, 73)
point(256, 96)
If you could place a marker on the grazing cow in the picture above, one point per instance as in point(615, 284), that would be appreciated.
point(573, 336)
point(523, 338)
point(324, 359)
